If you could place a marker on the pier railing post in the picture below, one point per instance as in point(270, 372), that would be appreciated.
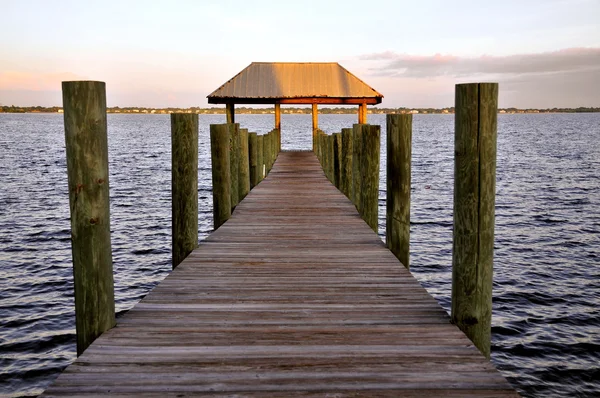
point(260, 157)
point(399, 149)
point(357, 154)
point(267, 153)
point(184, 184)
point(337, 159)
point(346, 164)
point(253, 158)
point(84, 104)
point(234, 162)
point(244, 166)
point(221, 172)
point(474, 200)
point(369, 172)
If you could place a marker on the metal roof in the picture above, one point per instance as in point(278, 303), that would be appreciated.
point(295, 83)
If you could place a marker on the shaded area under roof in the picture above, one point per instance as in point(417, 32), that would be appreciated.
point(295, 83)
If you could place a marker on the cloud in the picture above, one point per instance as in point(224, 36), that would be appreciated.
point(562, 61)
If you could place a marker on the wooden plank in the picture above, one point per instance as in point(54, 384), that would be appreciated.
point(293, 296)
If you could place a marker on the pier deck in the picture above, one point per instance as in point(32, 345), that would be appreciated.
point(293, 296)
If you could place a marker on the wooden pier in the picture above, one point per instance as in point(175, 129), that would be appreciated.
point(294, 295)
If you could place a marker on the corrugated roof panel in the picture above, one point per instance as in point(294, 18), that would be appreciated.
point(288, 80)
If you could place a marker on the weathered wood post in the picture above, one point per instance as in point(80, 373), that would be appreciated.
point(267, 153)
point(221, 172)
point(346, 165)
point(330, 157)
point(84, 104)
point(230, 113)
point(357, 133)
point(474, 201)
point(253, 158)
point(260, 157)
point(315, 124)
point(244, 166)
point(234, 162)
point(184, 184)
point(399, 149)
point(337, 159)
point(274, 147)
point(369, 171)
point(278, 116)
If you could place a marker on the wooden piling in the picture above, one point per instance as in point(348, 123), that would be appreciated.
point(244, 166)
point(260, 157)
point(234, 162)
point(474, 200)
point(399, 147)
point(357, 133)
point(369, 171)
point(221, 172)
point(267, 153)
point(346, 164)
point(337, 159)
point(184, 184)
point(253, 158)
point(84, 104)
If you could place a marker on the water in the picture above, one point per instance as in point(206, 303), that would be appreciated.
point(546, 322)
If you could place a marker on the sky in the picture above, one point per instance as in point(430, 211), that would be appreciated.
point(174, 53)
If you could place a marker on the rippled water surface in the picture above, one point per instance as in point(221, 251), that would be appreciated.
point(546, 322)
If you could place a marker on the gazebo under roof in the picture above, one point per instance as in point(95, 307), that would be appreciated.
point(295, 83)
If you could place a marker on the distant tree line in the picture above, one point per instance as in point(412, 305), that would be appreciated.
point(288, 110)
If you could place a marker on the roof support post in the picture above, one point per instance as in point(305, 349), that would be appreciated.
point(315, 123)
point(230, 112)
point(362, 113)
point(278, 116)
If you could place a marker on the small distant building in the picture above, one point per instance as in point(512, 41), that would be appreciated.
point(60, 111)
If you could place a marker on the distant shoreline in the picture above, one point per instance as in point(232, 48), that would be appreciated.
point(290, 110)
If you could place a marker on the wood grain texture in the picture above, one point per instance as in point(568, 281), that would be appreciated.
point(244, 166)
point(337, 159)
point(474, 199)
point(399, 149)
point(278, 117)
point(357, 154)
point(234, 162)
point(84, 104)
point(369, 173)
point(253, 159)
point(221, 173)
point(346, 166)
point(293, 296)
point(260, 158)
point(184, 185)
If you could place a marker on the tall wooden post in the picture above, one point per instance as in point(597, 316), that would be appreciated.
point(369, 172)
point(346, 163)
point(337, 159)
point(84, 104)
point(184, 184)
point(278, 116)
point(230, 112)
point(266, 153)
point(357, 152)
point(253, 158)
point(244, 166)
point(399, 147)
point(260, 157)
point(362, 113)
point(234, 160)
point(474, 200)
point(315, 124)
point(221, 172)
